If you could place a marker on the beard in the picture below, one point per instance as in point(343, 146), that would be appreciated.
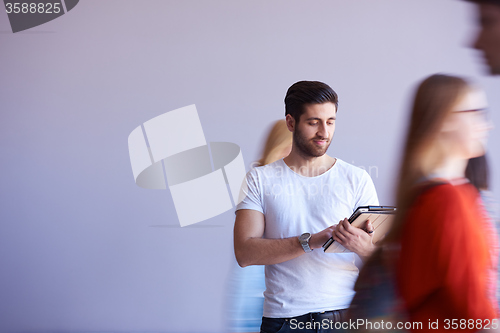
point(307, 147)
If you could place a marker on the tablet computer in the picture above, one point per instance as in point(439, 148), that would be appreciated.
point(381, 218)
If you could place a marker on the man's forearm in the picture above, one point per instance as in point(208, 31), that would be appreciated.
point(260, 251)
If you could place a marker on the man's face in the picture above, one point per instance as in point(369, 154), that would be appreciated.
point(488, 38)
point(313, 133)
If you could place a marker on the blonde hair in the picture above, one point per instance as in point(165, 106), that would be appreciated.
point(434, 101)
point(278, 139)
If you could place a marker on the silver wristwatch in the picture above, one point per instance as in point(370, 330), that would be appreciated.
point(304, 241)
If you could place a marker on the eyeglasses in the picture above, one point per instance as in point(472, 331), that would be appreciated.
point(483, 113)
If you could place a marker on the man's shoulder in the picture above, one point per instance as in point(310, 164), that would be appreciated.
point(350, 169)
point(268, 171)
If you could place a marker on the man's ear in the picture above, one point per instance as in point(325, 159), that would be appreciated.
point(290, 122)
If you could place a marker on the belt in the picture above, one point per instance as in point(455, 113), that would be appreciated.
point(334, 316)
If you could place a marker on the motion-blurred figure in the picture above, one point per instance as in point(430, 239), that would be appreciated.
point(477, 172)
point(278, 144)
point(440, 253)
point(248, 284)
point(488, 38)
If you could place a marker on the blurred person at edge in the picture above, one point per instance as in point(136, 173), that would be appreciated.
point(488, 36)
point(447, 266)
point(289, 212)
point(440, 255)
point(477, 172)
point(278, 144)
point(247, 284)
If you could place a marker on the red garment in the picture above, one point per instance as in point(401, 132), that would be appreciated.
point(445, 260)
point(492, 239)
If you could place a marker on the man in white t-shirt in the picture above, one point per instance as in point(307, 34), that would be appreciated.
point(290, 210)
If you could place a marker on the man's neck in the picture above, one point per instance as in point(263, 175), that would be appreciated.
point(309, 167)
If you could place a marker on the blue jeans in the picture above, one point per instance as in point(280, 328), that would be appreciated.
point(314, 322)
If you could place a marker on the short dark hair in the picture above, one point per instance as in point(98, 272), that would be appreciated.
point(493, 2)
point(308, 92)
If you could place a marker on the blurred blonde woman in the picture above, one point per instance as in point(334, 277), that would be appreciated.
point(248, 284)
point(447, 265)
point(442, 249)
point(278, 144)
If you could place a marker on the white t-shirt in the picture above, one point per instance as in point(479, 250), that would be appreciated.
point(293, 204)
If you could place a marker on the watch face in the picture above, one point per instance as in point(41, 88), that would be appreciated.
point(304, 236)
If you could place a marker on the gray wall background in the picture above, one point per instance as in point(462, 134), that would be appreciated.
point(82, 248)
